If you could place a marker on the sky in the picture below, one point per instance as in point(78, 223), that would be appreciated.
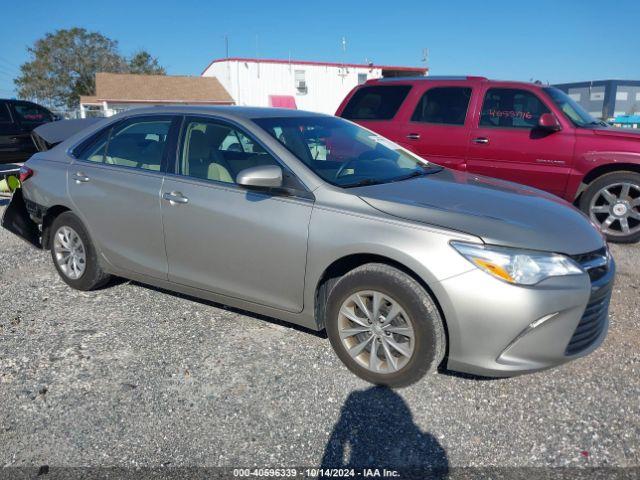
point(552, 41)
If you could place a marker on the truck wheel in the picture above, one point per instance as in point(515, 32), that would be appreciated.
point(384, 326)
point(73, 254)
point(612, 201)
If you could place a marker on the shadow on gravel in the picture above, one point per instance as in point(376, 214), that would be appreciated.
point(275, 321)
point(376, 430)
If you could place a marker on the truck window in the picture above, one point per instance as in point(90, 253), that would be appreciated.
point(511, 108)
point(376, 103)
point(4, 113)
point(445, 105)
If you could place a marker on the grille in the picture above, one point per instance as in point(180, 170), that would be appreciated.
point(591, 324)
point(594, 318)
point(592, 263)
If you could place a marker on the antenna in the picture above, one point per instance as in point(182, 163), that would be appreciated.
point(425, 57)
point(343, 70)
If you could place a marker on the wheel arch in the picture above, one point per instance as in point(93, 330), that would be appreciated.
point(345, 264)
point(47, 220)
point(597, 172)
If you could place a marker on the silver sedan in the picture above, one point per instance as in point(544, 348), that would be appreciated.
point(319, 222)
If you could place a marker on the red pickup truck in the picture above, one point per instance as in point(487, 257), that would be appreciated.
point(522, 132)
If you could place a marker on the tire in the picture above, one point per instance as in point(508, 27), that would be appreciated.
point(620, 209)
point(92, 276)
point(395, 290)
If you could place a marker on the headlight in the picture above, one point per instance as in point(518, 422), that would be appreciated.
point(522, 267)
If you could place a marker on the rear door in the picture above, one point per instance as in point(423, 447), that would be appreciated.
point(435, 123)
point(376, 107)
point(506, 144)
point(228, 239)
point(115, 184)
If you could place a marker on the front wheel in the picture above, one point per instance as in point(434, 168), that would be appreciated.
point(613, 203)
point(384, 326)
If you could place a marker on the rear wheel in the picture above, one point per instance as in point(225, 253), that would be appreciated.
point(73, 254)
point(384, 326)
point(613, 203)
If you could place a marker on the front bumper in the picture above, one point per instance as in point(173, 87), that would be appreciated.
point(497, 329)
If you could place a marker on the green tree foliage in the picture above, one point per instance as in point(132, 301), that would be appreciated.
point(64, 63)
point(142, 62)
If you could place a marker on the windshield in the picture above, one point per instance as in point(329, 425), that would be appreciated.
point(572, 110)
point(343, 153)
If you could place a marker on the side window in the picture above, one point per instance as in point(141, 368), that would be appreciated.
point(216, 151)
point(511, 108)
point(444, 105)
point(5, 117)
point(95, 149)
point(32, 114)
point(376, 103)
point(138, 143)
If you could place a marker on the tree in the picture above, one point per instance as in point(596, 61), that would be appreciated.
point(64, 63)
point(142, 62)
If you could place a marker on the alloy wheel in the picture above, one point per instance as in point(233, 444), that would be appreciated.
point(376, 331)
point(70, 253)
point(616, 209)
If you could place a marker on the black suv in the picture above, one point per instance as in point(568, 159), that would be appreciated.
point(17, 119)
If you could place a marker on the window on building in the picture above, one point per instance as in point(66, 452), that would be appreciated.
point(362, 77)
point(622, 96)
point(376, 102)
point(597, 96)
point(445, 105)
point(511, 108)
point(300, 81)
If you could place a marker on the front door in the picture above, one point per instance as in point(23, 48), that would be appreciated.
point(115, 184)
point(506, 143)
point(224, 238)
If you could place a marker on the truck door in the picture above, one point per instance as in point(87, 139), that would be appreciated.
point(507, 144)
point(436, 127)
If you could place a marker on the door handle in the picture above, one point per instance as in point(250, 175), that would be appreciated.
point(14, 139)
point(483, 140)
point(80, 177)
point(413, 136)
point(175, 198)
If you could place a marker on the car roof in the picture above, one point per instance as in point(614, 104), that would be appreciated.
point(451, 78)
point(227, 111)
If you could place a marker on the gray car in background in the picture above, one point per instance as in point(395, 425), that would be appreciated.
point(319, 222)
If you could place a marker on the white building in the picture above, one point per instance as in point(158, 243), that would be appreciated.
point(314, 86)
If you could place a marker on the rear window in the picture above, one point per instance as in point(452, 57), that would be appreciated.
point(376, 103)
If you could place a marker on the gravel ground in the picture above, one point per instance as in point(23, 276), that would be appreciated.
point(133, 376)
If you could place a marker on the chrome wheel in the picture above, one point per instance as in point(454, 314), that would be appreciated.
point(616, 209)
point(376, 331)
point(69, 252)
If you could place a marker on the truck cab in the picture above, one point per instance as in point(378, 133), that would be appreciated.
point(522, 132)
point(18, 118)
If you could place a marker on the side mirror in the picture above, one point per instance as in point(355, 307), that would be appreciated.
point(263, 176)
point(549, 123)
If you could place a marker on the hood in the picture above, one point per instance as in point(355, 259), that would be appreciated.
point(615, 132)
point(499, 212)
